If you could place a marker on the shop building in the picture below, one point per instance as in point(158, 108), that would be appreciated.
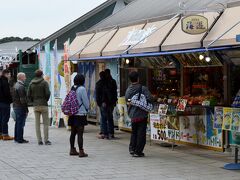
point(193, 74)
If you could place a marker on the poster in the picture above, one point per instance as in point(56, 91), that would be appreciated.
point(124, 121)
point(160, 130)
point(188, 130)
point(163, 108)
point(235, 119)
point(218, 117)
point(181, 104)
point(57, 112)
point(213, 136)
point(227, 118)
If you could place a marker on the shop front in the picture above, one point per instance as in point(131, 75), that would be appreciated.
point(189, 74)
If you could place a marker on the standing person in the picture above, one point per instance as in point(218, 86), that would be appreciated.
point(109, 91)
point(20, 107)
point(138, 116)
point(79, 120)
point(100, 98)
point(39, 94)
point(5, 101)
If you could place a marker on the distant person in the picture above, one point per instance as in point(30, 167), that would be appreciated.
point(109, 94)
point(20, 107)
point(39, 94)
point(138, 116)
point(5, 101)
point(100, 98)
point(79, 120)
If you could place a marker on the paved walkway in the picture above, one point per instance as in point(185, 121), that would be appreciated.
point(108, 159)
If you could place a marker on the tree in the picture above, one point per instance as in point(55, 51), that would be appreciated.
point(10, 39)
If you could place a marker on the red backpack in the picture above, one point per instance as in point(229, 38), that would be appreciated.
point(70, 105)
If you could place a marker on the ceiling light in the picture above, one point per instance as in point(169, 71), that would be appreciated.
point(127, 61)
point(201, 57)
point(208, 59)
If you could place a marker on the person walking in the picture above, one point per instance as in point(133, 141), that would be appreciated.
point(79, 120)
point(109, 100)
point(138, 116)
point(20, 107)
point(5, 101)
point(39, 94)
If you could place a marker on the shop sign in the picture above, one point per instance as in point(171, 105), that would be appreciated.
point(137, 35)
point(195, 24)
point(160, 130)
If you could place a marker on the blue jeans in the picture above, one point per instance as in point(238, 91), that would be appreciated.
point(21, 115)
point(4, 118)
point(107, 125)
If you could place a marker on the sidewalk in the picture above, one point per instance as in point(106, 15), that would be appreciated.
point(108, 159)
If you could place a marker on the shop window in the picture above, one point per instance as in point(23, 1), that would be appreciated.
point(203, 84)
point(25, 60)
point(164, 83)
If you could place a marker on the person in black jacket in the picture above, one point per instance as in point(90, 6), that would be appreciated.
point(100, 97)
point(5, 101)
point(108, 100)
point(20, 107)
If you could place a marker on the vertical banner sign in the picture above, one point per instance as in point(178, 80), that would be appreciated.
point(56, 89)
point(67, 68)
point(48, 72)
point(56, 78)
point(48, 63)
point(38, 55)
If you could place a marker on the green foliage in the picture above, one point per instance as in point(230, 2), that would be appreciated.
point(10, 39)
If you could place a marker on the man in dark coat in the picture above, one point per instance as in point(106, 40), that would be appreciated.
point(109, 100)
point(100, 99)
point(20, 107)
point(5, 101)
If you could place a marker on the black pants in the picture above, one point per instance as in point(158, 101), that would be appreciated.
point(77, 130)
point(138, 137)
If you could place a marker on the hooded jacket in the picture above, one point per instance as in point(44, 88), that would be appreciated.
point(38, 92)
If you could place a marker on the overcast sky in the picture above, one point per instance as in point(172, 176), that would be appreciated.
point(40, 18)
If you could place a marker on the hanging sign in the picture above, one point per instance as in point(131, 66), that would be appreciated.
point(194, 24)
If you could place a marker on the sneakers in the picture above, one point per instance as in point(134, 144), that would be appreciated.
point(48, 143)
point(7, 138)
point(138, 154)
point(131, 152)
point(40, 143)
point(101, 136)
point(23, 141)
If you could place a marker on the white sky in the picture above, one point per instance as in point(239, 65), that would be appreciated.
point(40, 18)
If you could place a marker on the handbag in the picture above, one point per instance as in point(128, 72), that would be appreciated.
point(141, 101)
